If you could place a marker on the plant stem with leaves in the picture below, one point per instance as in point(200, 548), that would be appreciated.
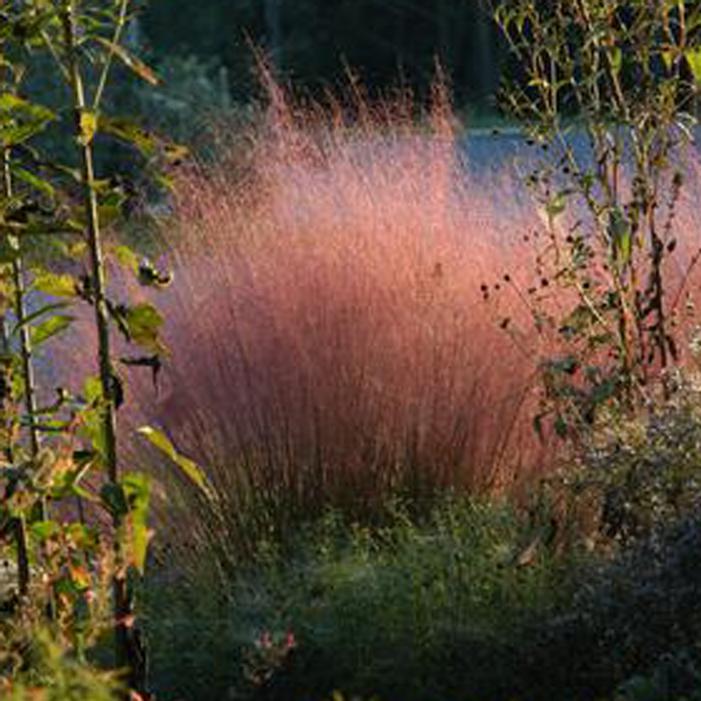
point(20, 526)
point(85, 126)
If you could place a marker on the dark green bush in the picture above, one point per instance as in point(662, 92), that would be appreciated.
point(413, 610)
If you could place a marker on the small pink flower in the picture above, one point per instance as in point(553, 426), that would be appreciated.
point(290, 640)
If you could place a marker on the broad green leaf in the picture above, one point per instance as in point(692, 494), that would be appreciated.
point(189, 467)
point(143, 322)
point(56, 285)
point(50, 328)
point(132, 62)
point(693, 57)
point(127, 258)
point(93, 429)
point(43, 530)
point(92, 388)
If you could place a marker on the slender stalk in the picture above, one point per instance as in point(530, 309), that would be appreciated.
point(20, 526)
point(126, 645)
point(26, 352)
point(117, 35)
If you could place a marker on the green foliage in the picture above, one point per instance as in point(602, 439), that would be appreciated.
point(76, 570)
point(411, 610)
point(633, 626)
point(644, 473)
point(189, 468)
point(51, 675)
point(608, 90)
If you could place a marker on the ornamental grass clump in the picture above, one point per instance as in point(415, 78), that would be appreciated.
point(331, 347)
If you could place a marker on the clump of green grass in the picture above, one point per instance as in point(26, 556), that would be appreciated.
point(412, 609)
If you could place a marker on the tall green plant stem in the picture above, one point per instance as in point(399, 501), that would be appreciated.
point(23, 571)
point(122, 599)
point(26, 352)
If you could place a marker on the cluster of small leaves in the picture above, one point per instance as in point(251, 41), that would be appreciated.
point(609, 91)
point(72, 679)
point(55, 456)
point(643, 474)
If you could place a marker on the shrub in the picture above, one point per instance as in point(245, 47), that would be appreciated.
point(416, 609)
point(608, 90)
point(37, 667)
point(634, 618)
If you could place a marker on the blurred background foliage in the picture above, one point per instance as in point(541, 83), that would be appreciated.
point(314, 41)
point(206, 58)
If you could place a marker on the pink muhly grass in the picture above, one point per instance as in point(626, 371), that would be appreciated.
point(331, 347)
point(330, 344)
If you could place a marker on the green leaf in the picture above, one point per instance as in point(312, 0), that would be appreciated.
point(137, 490)
point(127, 258)
point(20, 120)
point(668, 57)
point(561, 428)
point(556, 205)
point(616, 59)
point(693, 58)
point(92, 388)
point(189, 467)
point(132, 62)
point(93, 430)
point(31, 318)
point(50, 328)
point(131, 133)
point(621, 236)
point(56, 285)
point(8, 251)
point(43, 530)
point(114, 499)
point(40, 184)
point(143, 322)
point(174, 153)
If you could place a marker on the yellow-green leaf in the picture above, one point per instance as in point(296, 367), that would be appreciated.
point(56, 285)
point(693, 57)
point(131, 61)
point(51, 327)
point(127, 258)
point(189, 467)
point(136, 488)
point(131, 133)
point(143, 322)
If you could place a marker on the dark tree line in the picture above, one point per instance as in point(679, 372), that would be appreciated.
point(313, 41)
